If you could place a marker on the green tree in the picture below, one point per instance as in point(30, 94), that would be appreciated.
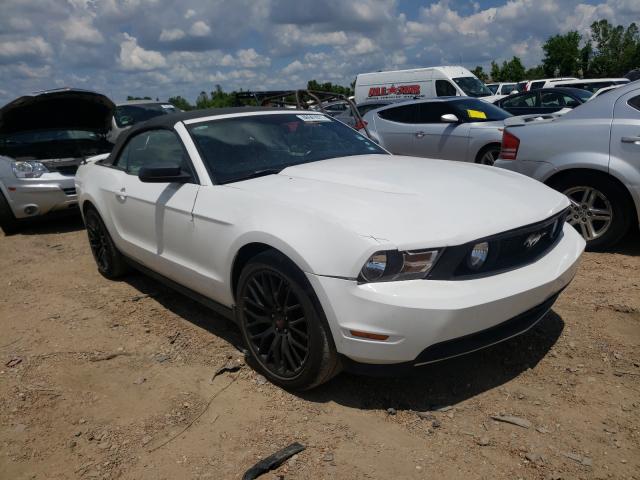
point(480, 73)
point(180, 102)
point(130, 97)
point(495, 73)
point(616, 50)
point(562, 52)
point(513, 70)
point(328, 87)
point(534, 73)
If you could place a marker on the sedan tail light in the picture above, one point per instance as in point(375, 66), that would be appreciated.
point(509, 147)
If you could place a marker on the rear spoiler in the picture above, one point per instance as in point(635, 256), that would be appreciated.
point(525, 119)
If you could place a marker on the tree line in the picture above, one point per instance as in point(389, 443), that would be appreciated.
point(608, 51)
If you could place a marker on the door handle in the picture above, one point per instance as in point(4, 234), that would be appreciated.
point(630, 139)
point(420, 134)
point(122, 194)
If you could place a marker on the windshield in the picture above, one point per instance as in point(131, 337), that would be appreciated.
point(243, 147)
point(472, 110)
point(493, 87)
point(583, 95)
point(45, 136)
point(472, 86)
point(127, 115)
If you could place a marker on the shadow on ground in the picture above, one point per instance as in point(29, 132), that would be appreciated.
point(187, 308)
point(444, 383)
point(47, 225)
point(630, 244)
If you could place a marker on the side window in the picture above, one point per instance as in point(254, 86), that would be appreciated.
point(520, 101)
point(431, 112)
point(551, 100)
point(536, 85)
point(445, 89)
point(404, 114)
point(570, 101)
point(635, 102)
point(155, 148)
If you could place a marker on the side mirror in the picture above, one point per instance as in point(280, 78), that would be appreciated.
point(449, 118)
point(163, 175)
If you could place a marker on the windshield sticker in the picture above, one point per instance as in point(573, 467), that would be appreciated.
point(477, 114)
point(167, 106)
point(313, 118)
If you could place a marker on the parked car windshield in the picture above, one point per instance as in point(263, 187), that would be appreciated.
point(127, 115)
point(244, 147)
point(473, 110)
point(472, 86)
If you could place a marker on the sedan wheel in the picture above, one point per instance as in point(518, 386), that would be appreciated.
point(591, 211)
point(488, 156)
point(276, 323)
point(283, 325)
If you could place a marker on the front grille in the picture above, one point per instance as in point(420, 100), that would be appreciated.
point(507, 251)
point(69, 191)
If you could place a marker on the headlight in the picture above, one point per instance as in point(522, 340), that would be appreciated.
point(396, 265)
point(478, 255)
point(28, 169)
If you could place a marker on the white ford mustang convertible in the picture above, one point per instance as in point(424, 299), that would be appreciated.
point(326, 250)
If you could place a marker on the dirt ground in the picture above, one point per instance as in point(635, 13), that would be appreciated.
point(107, 380)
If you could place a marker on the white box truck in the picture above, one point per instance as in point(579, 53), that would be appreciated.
point(421, 83)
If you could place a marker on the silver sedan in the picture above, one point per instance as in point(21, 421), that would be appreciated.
point(592, 154)
point(452, 128)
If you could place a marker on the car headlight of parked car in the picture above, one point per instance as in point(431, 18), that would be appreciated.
point(28, 169)
point(391, 265)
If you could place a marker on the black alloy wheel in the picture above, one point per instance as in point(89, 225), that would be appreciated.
point(277, 325)
point(283, 326)
point(110, 262)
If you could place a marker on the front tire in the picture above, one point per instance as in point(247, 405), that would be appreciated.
point(600, 209)
point(8, 222)
point(111, 263)
point(283, 325)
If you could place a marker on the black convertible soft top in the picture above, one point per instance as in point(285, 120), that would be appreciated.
point(168, 121)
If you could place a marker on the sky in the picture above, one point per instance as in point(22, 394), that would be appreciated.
point(163, 48)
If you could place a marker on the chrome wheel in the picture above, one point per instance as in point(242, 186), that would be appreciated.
point(591, 212)
point(489, 157)
point(276, 323)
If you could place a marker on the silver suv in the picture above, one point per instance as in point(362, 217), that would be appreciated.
point(592, 154)
point(43, 139)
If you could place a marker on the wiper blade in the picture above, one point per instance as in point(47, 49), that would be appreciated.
point(259, 173)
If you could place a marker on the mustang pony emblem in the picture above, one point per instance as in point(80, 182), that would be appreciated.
point(533, 239)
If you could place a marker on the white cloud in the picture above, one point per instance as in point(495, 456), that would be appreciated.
point(189, 14)
point(200, 29)
point(134, 57)
point(81, 29)
point(30, 46)
point(245, 58)
point(171, 35)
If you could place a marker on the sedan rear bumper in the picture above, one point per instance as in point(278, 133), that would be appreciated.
point(429, 320)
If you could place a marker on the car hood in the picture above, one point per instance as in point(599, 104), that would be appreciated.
point(67, 109)
point(410, 202)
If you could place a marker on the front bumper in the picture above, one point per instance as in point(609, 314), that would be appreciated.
point(420, 316)
point(32, 197)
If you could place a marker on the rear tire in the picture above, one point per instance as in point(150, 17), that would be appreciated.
point(488, 155)
point(283, 326)
point(601, 211)
point(111, 263)
point(8, 222)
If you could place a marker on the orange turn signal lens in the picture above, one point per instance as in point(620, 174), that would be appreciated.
point(368, 335)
